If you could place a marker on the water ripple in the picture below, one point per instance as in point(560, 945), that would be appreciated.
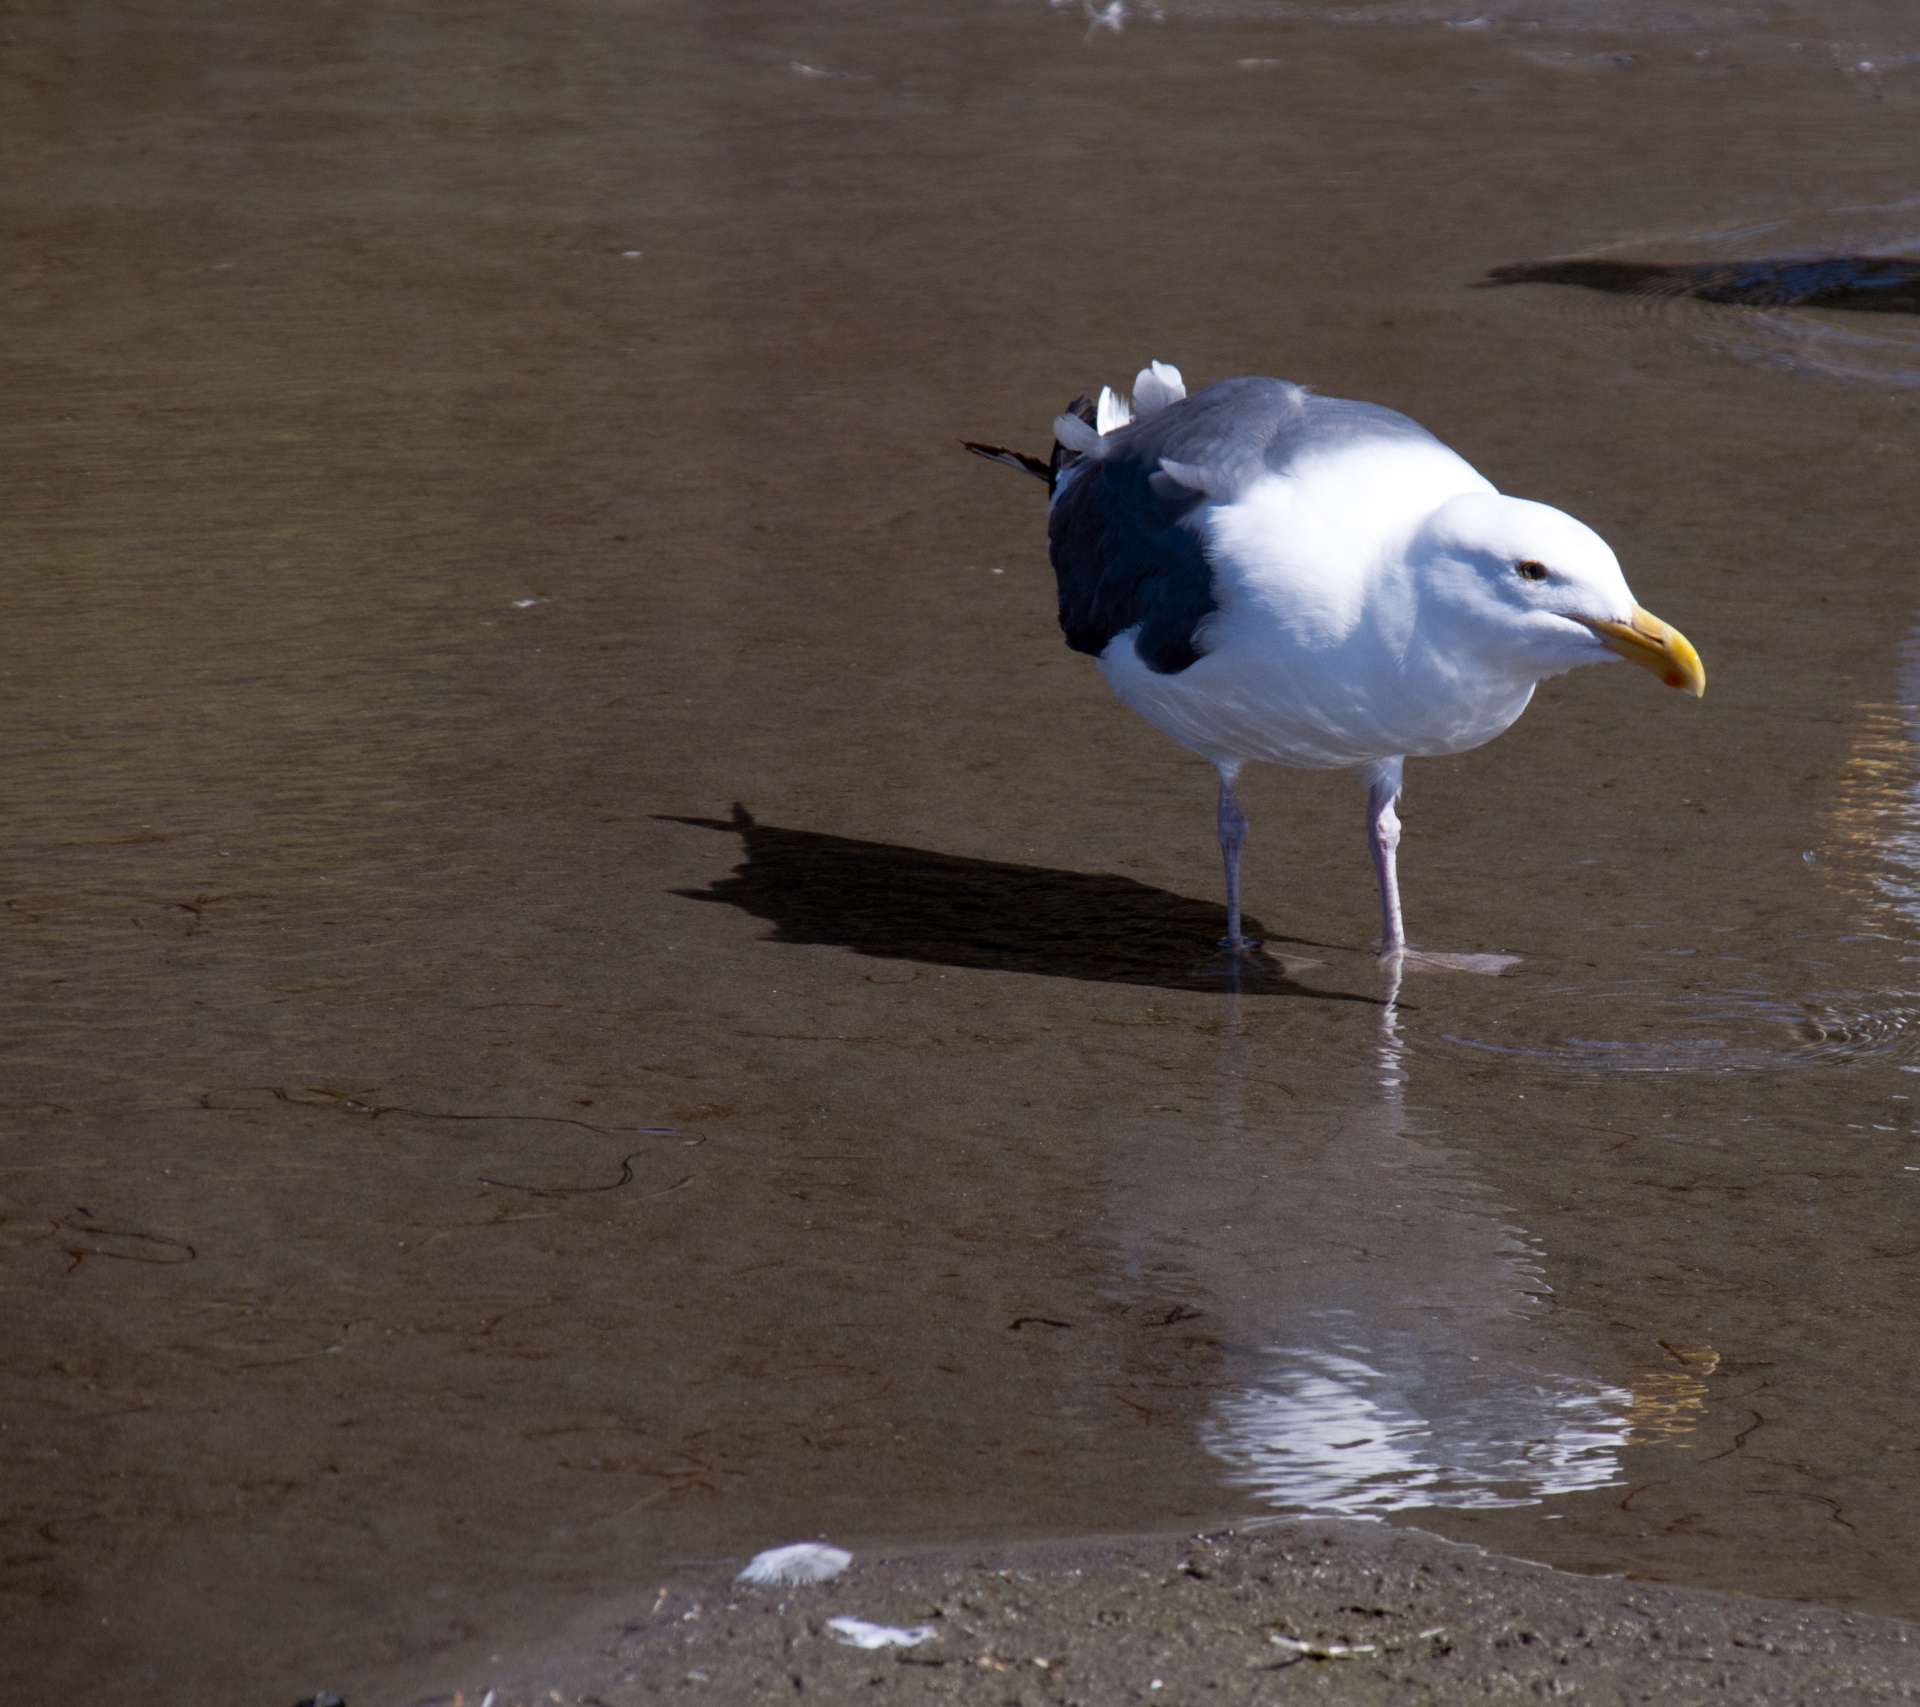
point(1881, 1025)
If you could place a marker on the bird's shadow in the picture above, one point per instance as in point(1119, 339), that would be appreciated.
point(900, 903)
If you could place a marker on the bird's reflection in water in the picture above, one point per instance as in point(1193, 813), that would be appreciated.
point(1385, 1323)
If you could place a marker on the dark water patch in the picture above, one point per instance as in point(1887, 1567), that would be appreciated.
point(1871, 283)
point(1832, 294)
point(902, 903)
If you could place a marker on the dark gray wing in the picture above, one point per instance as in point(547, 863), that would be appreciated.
point(1124, 551)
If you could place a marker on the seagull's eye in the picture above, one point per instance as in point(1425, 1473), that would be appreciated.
point(1530, 569)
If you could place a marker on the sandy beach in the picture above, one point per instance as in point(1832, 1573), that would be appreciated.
point(1335, 1612)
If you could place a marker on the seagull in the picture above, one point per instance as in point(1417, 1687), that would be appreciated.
point(1267, 574)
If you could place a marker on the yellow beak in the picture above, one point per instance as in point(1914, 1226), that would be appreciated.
point(1656, 646)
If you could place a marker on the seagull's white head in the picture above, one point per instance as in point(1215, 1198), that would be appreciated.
point(1528, 589)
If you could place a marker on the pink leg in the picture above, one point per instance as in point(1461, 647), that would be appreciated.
point(1233, 837)
point(1383, 837)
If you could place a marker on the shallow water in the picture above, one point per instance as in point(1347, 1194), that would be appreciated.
point(458, 1164)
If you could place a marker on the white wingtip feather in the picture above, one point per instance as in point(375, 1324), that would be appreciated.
point(1157, 385)
point(1173, 479)
point(1113, 411)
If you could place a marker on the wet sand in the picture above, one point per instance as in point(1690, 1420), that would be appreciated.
point(1324, 1611)
point(455, 1168)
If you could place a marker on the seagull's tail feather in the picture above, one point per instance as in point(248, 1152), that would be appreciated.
point(1065, 454)
point(1019, 459)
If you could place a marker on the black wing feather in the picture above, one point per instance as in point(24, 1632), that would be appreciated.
point(1126, 550)
point(1122, 558)
point(1122, 534)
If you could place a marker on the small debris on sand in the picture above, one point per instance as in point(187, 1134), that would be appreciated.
point(803, 1562)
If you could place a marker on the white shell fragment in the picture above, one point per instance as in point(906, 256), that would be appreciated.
point(1324, 1650)
point(803, 1562)
point(861, 1634)
point(1347, 1650)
